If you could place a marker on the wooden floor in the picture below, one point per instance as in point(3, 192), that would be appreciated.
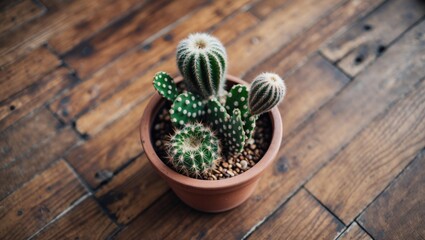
point(76, 77)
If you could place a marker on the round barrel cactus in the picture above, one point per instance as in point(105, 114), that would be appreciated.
point(194, 149)
point(202, 60)
point(267, 90)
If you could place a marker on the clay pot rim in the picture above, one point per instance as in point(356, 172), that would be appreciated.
point(172, 175)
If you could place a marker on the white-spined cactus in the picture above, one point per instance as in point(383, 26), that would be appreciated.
point(267, 90)
point(194, 150)
point(202, 60)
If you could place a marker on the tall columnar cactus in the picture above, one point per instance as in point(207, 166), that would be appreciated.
point(193, 150)
point(202, 61)
point(267, 90)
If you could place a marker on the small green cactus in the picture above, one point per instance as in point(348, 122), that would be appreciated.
point(267, 90)
point(202, 60)
point(194, 149)
point(186, 108)
point(165, 85)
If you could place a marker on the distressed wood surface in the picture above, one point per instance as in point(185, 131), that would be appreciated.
point(75, 77)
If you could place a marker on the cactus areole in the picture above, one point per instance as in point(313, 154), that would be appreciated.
point(211, 124)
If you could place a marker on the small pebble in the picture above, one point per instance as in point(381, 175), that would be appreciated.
point(225, 164)
point(244, 164)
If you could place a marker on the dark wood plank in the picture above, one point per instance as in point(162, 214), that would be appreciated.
point(302, 217)
point(18, 14)
point(25, 72)
point(322, 137)
point(85, 221)
point(274, 32)
point(354, 232)
point(16, 107)
point(298, 50)
point(39, 201)
point(119, 141)
point(105, 46)
point(132, 66)
point(132, 191)
point(399, 212)
point(29, 146)
point(367, 39)
point(379, 153)
point(110, 12)
point(121, 194)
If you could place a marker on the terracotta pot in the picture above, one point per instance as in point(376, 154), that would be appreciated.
point(209, 195)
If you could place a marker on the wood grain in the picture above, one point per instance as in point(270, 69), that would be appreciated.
point(133, 66)
point(39, 201)
point(46, 88)
point(86, 221)
point(399, 211)
point(25, 72)
point(368, 38)
point(274, 32)
point(84, 30)
point(104, 47)
point(302, 217)
point(302, 46)
point(18, 14)
point(378, 154)
point(29, 146)
point(266, 7)
point(322, 137)
point(354, 232)
point(139, 184)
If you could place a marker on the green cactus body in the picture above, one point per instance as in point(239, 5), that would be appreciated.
point(193, 150)
point(202, 61)
point(237, 98)
point(216, 115)
point(267, 90)
point(186, 108)
point(165, 86)
point(234, 135)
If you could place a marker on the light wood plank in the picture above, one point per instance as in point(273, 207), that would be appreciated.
point(18, 14)
point(302, 217)
point(378, 154)
point(39, 201)
point(399, 212)
point(354, 232)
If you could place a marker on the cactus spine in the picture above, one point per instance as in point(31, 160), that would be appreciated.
point(267, 90)
point(202, 61)
point(193, 150)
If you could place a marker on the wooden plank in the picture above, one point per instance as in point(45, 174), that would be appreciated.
point(85, 221)
point(18, 14)
point(59, 16)
point(378, 154)
point(131, 66)
point(39, 201)
point(274, 32)
point(137, 183)
point(354, 232)
point(302, 217)
point(16, 107)
point(25, 72)
point(302, 46)
point(367, 39)
point(29, 146)
point(110, 12)
point(122, 195)
point(263, 8)
point(399, 212)
point(107, 45)
point(322, 137)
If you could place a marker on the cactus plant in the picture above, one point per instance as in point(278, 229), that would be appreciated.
point(205, 105)
point(202, 61)
point(194, 149)
point(267, 90)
